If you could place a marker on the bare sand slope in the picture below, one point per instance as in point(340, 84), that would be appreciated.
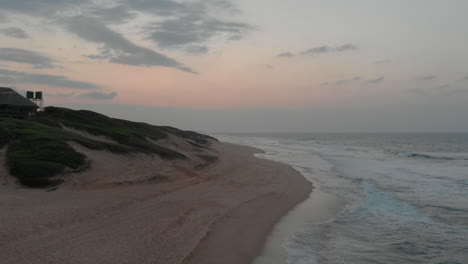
point(217, 214)
point(5, 177)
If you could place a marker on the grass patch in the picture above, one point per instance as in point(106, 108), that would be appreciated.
point(132, 134)
point(37, 153)
point(38, 148)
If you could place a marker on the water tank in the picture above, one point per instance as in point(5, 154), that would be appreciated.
point(38, 95)
point(29, 95)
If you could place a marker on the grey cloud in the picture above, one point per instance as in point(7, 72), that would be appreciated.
point(328, 49)
point(193, 29)
point(6, 79)
point(116, 14)
point(15, 32)
point(197, 49)
point(340, 82)
point(99, 96)
point(2, 17)
point(174, 8)
point(346, 47)
point(189, 23)
point(181, 25)
point(448, 90)
point(376, 81)
point(419, 91)
point(123, 51)
point(159, 7)
point(98, 56)
point(35, 6)
point(428, 78)
point(383, 62)
point(466, 78)
point(26, 56)
point(318, 50)
point(285, 55)
point(104, 54)
point(453, 92)
point(235, 37)
point(442, 90)
point(225, 4)
point(45, 79)
point(60, 94)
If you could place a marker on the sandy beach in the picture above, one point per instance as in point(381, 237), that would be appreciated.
point(219, 213)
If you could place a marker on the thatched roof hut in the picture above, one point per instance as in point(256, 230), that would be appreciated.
point(12, 104)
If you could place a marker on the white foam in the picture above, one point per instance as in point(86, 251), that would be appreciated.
point(422, 190)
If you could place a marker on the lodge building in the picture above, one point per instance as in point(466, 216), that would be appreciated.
point(12, 104)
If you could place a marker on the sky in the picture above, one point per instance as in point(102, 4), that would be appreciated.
point(246, 65)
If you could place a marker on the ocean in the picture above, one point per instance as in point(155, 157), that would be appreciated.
point(378, 198)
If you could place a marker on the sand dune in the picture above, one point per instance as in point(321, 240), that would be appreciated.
point(116, 212)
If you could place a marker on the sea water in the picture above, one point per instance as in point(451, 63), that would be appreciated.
point(379, 198)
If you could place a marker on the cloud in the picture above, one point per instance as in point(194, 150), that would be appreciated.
point(15, 32)
point(6, 79)
point(328, 49)
point(38, 7)
point(224, 4)
point(193, 29)
point(466, 78)
point(26, 56)
point(448, 90)
point(114, 15)
point(190, 23)
point(453, 92)
point(60, 94)
point(427, 77)
point(383, 62)
point(2, 17)
point(197, 49)
point(158, 7)
point(376, 81)
point(99, 96)
point(346, 47)
point(116, 47)
point(419, 91)
point(442, 90)
point(182, 25)
point(318, 50)
point(44, 79)
point(340, 82)
point(285, 55)
point(167, 8)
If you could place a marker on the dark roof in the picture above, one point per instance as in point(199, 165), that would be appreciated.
point(8, 96)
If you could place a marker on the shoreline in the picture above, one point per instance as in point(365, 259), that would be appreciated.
point(240, 236)
point(223, 214)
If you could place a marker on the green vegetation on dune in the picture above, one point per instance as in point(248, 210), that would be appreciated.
point(124, 132)
point(36, 152)
point(38, 149)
